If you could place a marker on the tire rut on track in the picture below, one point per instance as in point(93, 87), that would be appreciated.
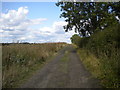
point(58, 74)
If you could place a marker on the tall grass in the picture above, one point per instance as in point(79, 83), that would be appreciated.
point(105, 69)
point(105, 46)
point(20, 59)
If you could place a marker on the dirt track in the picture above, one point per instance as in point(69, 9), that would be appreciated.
point(61, 73)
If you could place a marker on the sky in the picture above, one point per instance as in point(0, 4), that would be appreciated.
point(34, 22)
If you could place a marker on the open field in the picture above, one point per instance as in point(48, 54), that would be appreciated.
point(19, 60)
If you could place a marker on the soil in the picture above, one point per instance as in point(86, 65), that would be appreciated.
point(59, 73)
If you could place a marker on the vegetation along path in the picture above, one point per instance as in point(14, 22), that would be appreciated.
point(64, 71)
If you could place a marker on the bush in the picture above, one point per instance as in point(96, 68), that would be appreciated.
point(76, 39)
point(105, 45)
point(79, 41)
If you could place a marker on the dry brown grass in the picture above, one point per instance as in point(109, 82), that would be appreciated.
point(20, 59)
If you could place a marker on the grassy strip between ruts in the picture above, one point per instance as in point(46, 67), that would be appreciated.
point(99, 68)
point(64, 63)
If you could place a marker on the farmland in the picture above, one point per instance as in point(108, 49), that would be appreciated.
point(19, 60)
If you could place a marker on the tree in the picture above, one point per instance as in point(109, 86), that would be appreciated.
point(75, 39)
point(87, 17)
point(116, 8)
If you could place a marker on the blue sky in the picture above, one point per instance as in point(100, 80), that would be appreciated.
point(37, 10)
point(32, 22)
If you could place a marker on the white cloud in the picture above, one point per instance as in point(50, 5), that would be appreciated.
point(15, 23)
point(55, 33)
point(16, 26)
point(17, 19)
point(14, 17)
point(58, 26)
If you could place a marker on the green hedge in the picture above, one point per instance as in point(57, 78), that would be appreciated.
point(105, 45)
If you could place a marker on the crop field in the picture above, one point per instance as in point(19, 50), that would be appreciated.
point(18, 60)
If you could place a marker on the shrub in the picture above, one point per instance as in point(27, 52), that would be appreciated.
point(105, 46)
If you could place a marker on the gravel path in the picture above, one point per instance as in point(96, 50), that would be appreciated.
point(61, 73)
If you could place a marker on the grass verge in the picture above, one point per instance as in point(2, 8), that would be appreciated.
point(26, 75)
point(100, 68)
